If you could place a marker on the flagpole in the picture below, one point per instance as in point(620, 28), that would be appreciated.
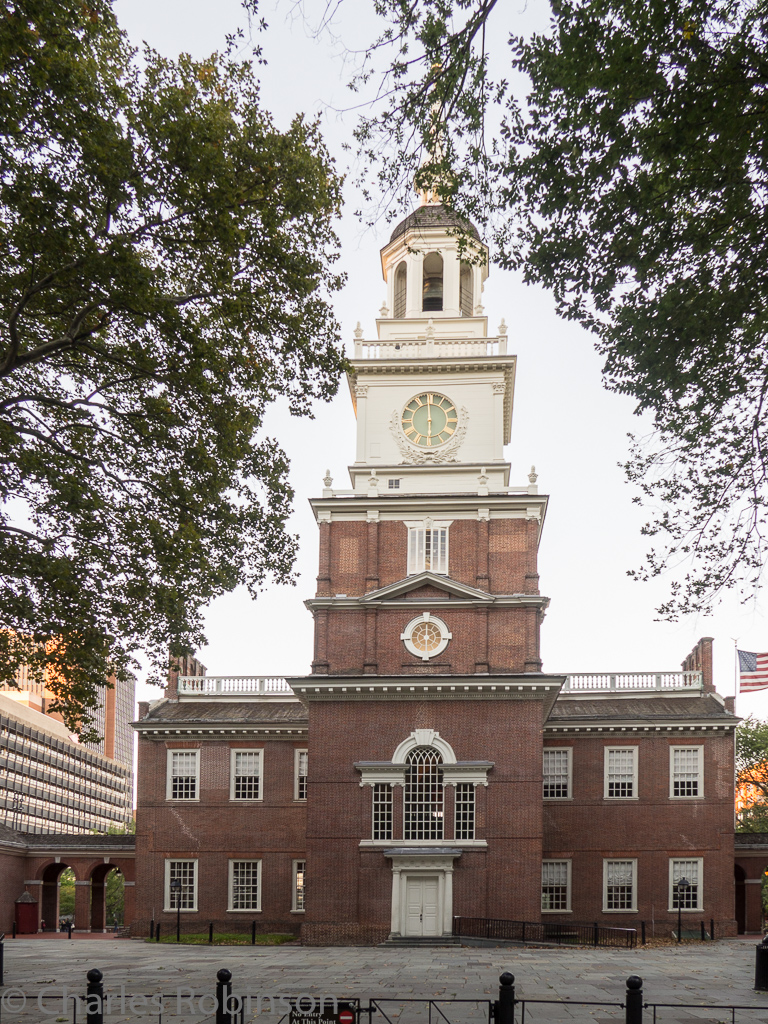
point(735, 671)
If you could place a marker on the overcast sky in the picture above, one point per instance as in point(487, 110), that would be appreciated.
point(564, 422)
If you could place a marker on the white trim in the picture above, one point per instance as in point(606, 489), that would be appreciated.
point(231, 909)
point(169, 774)
point(295, 909)
point(424, 738)
point(569, 771)
point(259, 751)
point(635, 759)
point(405, 867)
point(298, 751)
point(686, 746)
point(700, 884)
point(620, 860)
point(167, 905)
point(568, 865)
point(445, 636)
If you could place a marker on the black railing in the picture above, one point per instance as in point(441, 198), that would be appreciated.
point(567, 934)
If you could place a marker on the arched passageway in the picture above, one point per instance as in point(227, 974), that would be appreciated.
point(49, 902)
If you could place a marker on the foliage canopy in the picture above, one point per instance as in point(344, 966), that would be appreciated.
point(752, 774)
point(166, 260)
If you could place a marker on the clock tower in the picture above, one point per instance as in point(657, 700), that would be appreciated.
point(427, 616)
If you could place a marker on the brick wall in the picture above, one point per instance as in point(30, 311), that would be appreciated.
point(216, 829)
point(12, 875)
point(350, 888)
point(653, 828)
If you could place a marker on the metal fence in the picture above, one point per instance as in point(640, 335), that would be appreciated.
point(568, 934)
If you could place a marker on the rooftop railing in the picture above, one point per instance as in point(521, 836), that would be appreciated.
point(218, 686)
point(600, 682)
point(431, 348)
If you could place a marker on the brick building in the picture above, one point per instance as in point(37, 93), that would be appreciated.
point(428, 768)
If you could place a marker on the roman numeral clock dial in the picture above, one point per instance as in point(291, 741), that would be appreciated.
point(429, 420)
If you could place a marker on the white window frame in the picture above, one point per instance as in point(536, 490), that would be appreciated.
point(298, 751)
point(622, 860)
point(233, 762)
point(635, 760)
point(445, 636)
point(169, 908)
point(686, 746)
point(415, 564)
point(700, 885)
point(568, 864)
point(169, 776)
point(231, 908)
point(569, 753)
point(295, 909)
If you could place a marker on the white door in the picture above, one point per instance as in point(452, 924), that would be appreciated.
point(421, 910)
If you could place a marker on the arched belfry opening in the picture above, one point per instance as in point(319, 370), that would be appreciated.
point(466, 303)
point(432, 283)
point(401, 283)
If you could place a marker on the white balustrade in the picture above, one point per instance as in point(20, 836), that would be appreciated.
point(215, 686)
point(431, 348)
point(623, 681)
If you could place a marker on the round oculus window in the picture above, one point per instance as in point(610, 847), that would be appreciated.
point(426, 636)
point(429, 420)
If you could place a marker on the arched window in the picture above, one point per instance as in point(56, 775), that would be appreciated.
point(465, 290)
point(401, 279)
point(423, 799)
point(432, 283)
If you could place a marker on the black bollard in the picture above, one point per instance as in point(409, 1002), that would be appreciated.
point(152, 928)
point(633, 1001)
point(2, 952)
point(703, 933)
point(13, 930)
point(223, 992)
point(157, 932)
point(642, 931)
point(210, 932)
point(712, 928)
point(69, 929)
point(761, 965)
point(253, 933)
point(94, 997)
point(505, 1007)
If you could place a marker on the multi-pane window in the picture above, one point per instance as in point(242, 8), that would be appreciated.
point(423, 798)
point(382, 811)
point(621, 772)
point(685, 772)
point(555, 895)
point(246, 775)
point(299, 884)
point(184, 895)
point(465, 810)
point(301, 767)
point(244, 884)
point(428, 549)
point(393, 484)
point(183, 770)
point(619, 888)
point(687, 897)
point(557, 774)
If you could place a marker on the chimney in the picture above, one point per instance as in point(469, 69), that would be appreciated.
point(186, 665)
point(700, 660)
point(143, 709)
point(730, 705)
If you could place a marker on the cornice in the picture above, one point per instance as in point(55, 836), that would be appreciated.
point(444, 603)
point(169, 730)
point(525, 686)
point(607, 727)
point(425, 579)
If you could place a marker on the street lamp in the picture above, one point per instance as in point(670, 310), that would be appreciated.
point(681, 886)
point(176, 888)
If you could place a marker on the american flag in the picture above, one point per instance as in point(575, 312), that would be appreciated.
point(753, 671)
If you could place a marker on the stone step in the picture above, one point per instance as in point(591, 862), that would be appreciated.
point(420, 941)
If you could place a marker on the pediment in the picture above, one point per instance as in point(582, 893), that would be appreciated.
point(426, 586)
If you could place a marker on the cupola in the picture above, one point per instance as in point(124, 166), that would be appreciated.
point(426, 275)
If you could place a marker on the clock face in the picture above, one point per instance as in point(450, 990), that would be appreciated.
point(429, 419)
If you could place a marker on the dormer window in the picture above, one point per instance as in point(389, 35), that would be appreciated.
point(401, 280)
point(465, 290)
point(432, 286)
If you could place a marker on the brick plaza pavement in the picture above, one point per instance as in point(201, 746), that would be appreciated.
point(720, 972)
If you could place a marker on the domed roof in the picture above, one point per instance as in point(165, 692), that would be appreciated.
point(434, 217)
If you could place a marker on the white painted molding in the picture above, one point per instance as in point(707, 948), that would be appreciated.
point(424, 738)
